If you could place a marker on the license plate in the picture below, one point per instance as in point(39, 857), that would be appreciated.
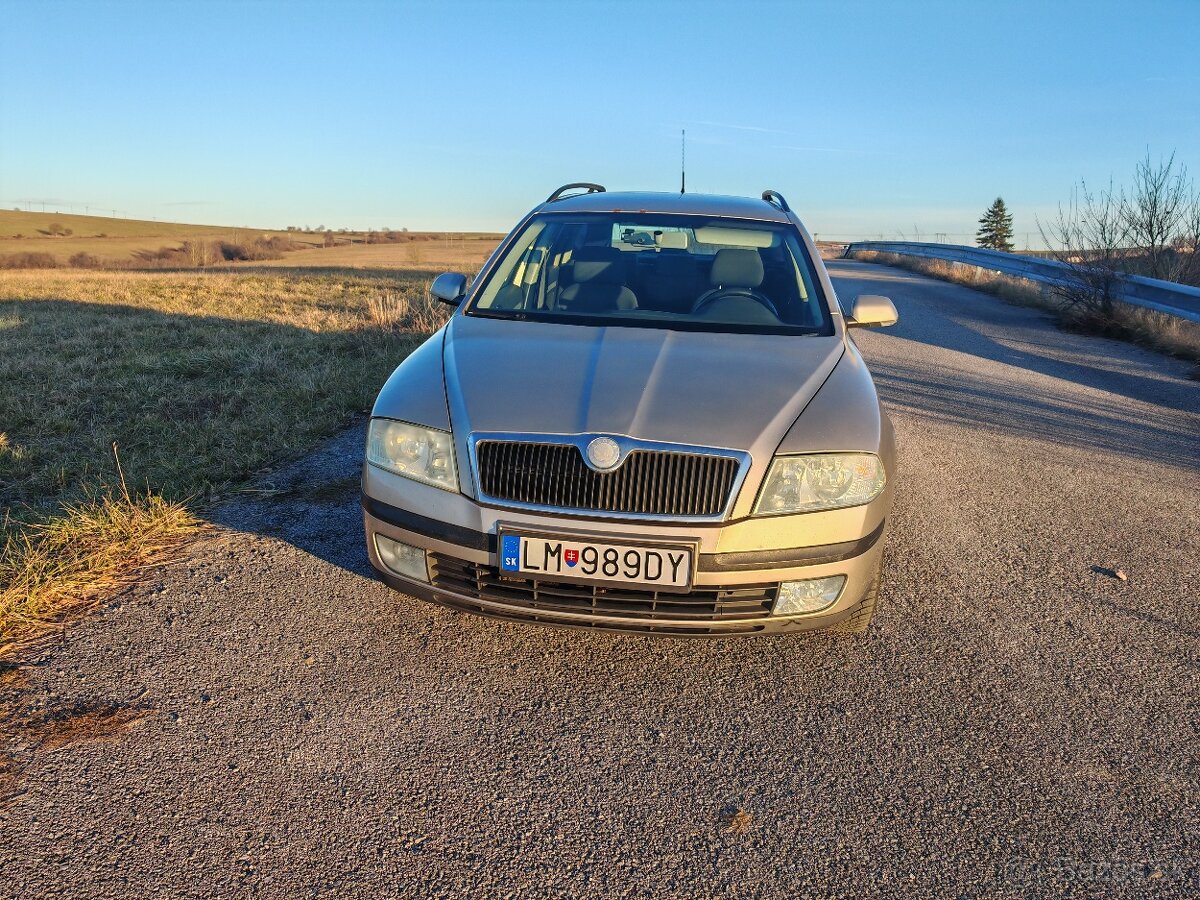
point(571, 559)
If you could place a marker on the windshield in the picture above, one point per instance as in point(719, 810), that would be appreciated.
point(658, 271)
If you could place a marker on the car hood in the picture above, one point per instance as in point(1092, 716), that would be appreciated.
point(735, 391)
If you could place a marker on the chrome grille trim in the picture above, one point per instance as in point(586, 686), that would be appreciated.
point(651, 481)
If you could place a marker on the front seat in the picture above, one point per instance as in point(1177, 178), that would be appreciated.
point(735, 277)
point(736, 268)
point(599, 282)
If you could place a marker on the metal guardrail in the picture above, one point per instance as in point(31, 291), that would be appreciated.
point(1164, 296)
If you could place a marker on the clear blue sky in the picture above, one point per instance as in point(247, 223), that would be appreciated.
point(870, 117)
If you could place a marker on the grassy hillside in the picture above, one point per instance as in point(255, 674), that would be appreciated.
point(124, 243)
point(112, 241)
point(37, 225)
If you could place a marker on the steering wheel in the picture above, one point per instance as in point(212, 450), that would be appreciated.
point(725, 293)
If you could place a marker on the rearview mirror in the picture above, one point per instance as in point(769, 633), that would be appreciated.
point(871, 310)
point(449, 287)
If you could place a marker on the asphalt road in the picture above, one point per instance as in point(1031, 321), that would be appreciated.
point(1018, 722)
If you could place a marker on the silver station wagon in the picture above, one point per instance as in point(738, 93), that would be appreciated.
point(646, 415)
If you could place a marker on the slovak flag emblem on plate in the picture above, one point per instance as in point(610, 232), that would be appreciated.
point(571, 557)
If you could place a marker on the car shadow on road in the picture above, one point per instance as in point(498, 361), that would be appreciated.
point(1108, 426)
point(312, 504)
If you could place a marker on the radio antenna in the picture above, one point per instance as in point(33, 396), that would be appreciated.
point(683, 161)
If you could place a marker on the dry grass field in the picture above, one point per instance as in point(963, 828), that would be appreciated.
point(451, 253)
point(198, 379)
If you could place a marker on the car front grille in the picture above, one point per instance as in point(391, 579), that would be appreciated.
point(648, 482)
point(704, 610)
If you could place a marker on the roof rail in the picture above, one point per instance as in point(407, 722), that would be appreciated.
point(590, 189)
point(776, 199)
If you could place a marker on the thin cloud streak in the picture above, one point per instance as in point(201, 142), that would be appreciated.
point(756, 128)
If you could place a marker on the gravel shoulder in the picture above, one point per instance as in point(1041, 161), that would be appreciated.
point(1018, 721)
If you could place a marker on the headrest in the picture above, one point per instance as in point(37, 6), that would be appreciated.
point(599, 265)
point(735, 267)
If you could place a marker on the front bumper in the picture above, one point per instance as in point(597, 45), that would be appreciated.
point(734, 587)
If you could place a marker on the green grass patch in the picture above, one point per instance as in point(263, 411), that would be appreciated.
point(201, 380)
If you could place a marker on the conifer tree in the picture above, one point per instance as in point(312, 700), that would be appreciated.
point(995, 228)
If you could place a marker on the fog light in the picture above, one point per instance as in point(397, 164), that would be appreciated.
point(403, 559)
point(810, 596)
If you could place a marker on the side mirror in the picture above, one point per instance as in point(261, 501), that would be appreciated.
point(871, 310)
point(449, 287)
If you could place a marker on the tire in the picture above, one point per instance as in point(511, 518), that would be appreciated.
point(859, 619)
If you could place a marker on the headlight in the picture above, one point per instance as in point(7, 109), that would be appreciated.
point(413, 451)
point(817, 481)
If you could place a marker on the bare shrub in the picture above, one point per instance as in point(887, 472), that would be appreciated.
point(233, 252)
point(259, 249)
point(82, 260)
point(387, 236)
point(381, 237)
point(28, 261)
point(200, 253)
point(188, 254)
point(280, 243)
point(1090, 237)
point(1162, 217)
point(163, 256)
point(1153, 229)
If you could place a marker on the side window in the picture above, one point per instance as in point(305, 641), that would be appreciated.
point(508, 292)
point(808, 310)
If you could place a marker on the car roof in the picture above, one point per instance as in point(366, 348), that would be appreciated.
point(651, 201)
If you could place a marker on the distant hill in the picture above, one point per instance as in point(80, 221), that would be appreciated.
point(35, 225)
point(29, 237)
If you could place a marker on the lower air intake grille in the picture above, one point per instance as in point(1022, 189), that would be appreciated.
point(705, 609)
